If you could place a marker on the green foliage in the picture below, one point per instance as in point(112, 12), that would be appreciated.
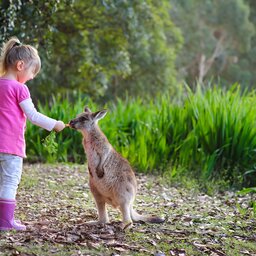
point(247, 191)
point(103, 48)
point(211, 133)
point(15, 19)
point(51, 146)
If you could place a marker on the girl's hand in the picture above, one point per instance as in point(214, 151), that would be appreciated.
point(59, 126)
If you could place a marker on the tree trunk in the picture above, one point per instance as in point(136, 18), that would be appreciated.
point(205, 64)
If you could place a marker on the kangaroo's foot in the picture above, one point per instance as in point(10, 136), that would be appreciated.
point(126, 225)
point(127, 220)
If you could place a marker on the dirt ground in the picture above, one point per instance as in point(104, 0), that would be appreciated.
point(55, 203)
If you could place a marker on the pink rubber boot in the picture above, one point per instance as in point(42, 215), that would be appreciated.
point(7, 221)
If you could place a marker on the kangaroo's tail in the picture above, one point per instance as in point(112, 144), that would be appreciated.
point(136, 217)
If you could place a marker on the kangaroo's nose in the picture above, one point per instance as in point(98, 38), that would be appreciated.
point(71, 123)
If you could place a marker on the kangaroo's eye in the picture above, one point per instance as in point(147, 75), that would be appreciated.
point(83, 118)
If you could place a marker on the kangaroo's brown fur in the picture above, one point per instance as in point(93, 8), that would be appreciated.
point(112, 180)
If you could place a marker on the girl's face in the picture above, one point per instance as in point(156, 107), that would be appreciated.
point(25, 74)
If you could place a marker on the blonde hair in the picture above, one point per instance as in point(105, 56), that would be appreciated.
point(14, 51)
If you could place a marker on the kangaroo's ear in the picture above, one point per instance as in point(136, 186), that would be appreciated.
point(86, 109)
point(100, 114)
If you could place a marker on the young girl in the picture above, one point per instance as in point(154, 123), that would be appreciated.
point(18, 64)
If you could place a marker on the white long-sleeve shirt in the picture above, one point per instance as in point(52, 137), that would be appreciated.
point(35, 117)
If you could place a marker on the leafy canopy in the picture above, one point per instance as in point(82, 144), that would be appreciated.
point(100, 47)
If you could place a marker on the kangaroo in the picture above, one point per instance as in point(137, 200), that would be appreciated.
point(111, 178)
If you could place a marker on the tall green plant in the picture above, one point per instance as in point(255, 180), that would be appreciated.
point(224, 123)
point(211, 133)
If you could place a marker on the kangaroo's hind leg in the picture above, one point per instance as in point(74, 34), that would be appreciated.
point(102, 211)
point(126, 200)
point(126, 215)
point(101, 205)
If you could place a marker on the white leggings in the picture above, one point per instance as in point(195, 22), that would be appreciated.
point(10, 175)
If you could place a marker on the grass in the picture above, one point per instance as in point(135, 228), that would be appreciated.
point(54, 202)
point(209, 134)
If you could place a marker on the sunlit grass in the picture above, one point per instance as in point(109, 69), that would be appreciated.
point(210, 134)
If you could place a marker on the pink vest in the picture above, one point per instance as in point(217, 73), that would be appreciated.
point(12, 118)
